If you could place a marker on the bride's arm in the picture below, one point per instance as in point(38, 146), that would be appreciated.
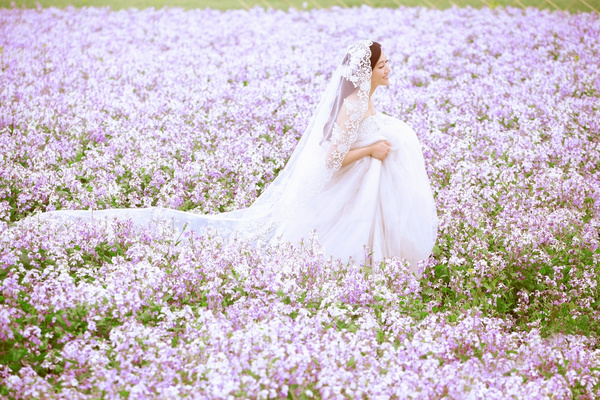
point(379, 150)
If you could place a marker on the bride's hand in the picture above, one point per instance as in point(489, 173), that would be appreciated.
point(380, 149)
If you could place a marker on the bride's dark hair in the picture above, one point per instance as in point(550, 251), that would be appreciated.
point(346, 89)
point(375, 53)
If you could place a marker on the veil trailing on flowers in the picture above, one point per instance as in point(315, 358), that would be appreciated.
point(317, 157)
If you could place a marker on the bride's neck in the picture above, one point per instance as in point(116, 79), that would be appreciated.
point(373, 88)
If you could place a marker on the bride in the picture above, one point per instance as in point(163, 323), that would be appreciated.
point(357, 177)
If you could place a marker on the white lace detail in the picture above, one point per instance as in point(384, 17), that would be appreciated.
point(337, 133)
point(354, 108)
point(368, 126)
point(357, 69)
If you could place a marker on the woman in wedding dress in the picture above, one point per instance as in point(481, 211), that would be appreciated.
point(357, 177)
point(380, 197)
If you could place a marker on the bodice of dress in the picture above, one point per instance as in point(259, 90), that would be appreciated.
point(372, 129)
point(368, 125)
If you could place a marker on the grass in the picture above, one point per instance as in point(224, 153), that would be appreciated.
point(570, 5)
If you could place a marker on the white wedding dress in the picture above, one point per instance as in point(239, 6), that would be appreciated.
point(387, 206)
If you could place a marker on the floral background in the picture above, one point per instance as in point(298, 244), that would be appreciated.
point(199, 110)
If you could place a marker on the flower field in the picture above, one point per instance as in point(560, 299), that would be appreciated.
point(199, 110)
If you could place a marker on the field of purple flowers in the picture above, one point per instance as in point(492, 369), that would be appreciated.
point(199, 110)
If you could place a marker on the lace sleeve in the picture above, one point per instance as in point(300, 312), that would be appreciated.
point(344, 133)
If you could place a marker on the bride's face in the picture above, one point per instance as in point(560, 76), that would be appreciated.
point(381, 72)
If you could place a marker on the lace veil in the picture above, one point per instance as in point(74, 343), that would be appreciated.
point(318, 156)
